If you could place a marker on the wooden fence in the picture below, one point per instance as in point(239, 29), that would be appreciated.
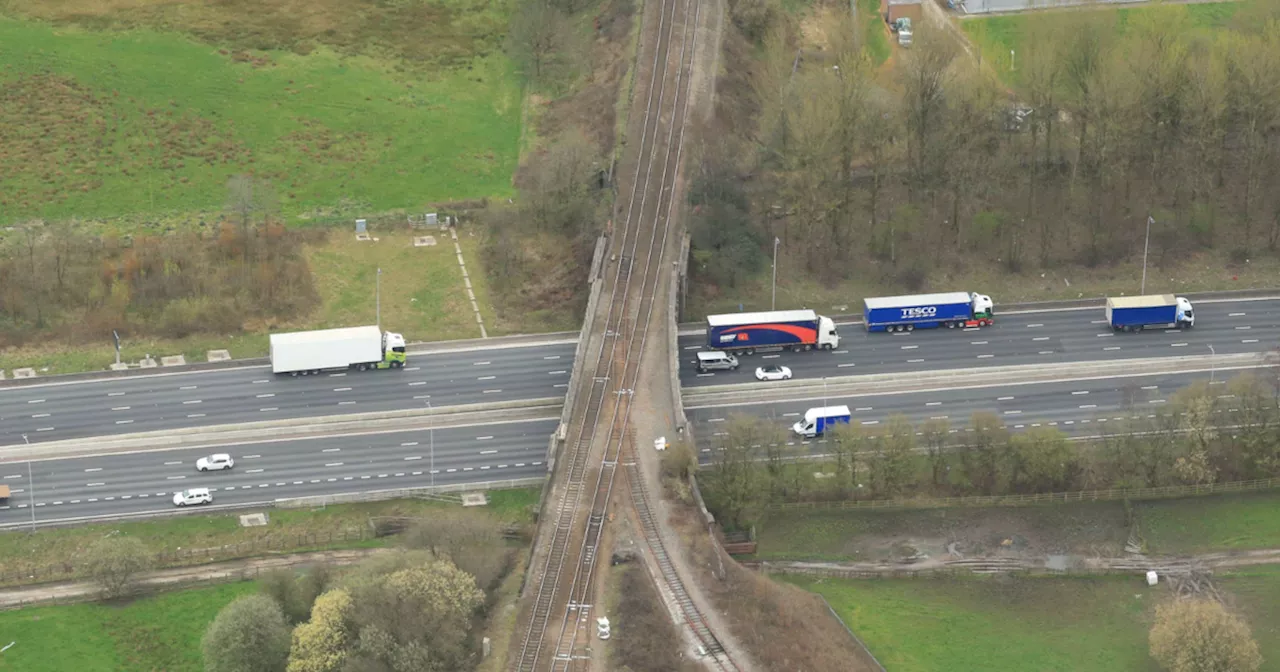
point(1113, 494)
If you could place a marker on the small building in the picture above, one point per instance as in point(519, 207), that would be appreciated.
point(900, 8)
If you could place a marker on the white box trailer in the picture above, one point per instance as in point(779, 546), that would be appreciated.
point(303, 352)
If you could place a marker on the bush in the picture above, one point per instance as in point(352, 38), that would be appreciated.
point(1200, 636)
point(114, 562)
point(248, 635)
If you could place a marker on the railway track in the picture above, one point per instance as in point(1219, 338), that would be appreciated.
point(565, 579)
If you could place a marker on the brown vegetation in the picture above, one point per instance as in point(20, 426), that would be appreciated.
point(644, 639)
point(937, 164)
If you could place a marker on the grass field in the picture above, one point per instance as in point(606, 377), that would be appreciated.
point(155, 633)
point(1207, 524)
point(21, 551)
point(145, 127)
point(995, 625)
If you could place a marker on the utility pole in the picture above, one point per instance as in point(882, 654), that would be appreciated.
point(377, 298)
point(1145, 246)
point(773, 302)
point(116, 335)
point(431, 434)
point(1213, 363)
point(31, 487)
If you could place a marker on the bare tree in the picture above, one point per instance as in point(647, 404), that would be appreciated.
point(114, 563)
point(1198, 635)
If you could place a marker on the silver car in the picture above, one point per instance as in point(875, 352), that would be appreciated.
point(215, 462)
point(773, 372)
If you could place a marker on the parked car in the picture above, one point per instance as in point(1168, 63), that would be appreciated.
point(602, 628)
point(773, 372)
point(216, 462)
point(192, 496)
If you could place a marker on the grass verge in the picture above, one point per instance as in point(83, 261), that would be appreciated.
point(160, 632)
point(148, 123)
point(26, 558)
point(1208, 524)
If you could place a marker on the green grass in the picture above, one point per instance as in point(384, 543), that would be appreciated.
point(1207, 524)
point(989, 625)
point(138, 124)
point(22, 552)
point(153, 633)
point(875, 32)
point(1256, 593)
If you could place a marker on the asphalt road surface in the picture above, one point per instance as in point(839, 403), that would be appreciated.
point(1079, 408)
point(169, 401)
point(1239, 326)
point(132, 483)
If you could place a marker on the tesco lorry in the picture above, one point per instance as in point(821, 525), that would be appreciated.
point(926, 311)
point(310, 352)
point(819, 420)
point(744, 333)
point(1134, 313)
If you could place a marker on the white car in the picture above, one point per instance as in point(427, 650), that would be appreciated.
point(602, 628)
point(215, 462)
point(772, 372)
point(192, 496)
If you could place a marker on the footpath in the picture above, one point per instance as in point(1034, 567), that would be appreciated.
point(169, 579)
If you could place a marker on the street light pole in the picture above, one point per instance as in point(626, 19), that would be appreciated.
point(431, 433)
point(1213, 363)
point(377, 298)
point(31, 487)
point(1145, 246)
point(773, 302)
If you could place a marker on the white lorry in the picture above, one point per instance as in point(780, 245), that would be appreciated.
point(309, 352)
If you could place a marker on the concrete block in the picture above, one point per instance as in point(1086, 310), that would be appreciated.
point(253, 520)
point(119, 366)
point(147, 363)
point(24, 373)
point(219, 355)
point(474, 499)
point(424, 241)
point(173, 360)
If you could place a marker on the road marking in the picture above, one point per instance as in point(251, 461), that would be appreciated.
point(705, 375)
point(561, 385)
point(1081, 392)
point(1046, 352)
point(341, 389)
point(332, 464)
point(862, 408)
point(490, 391)
point(985, 356)
point(927, 403)
point(1004, 398)
point(382, 475)
point(1012, 412)
point(1249, 340)
point(92, 470)
point(1089, 406)
point(785, 415)
point(259, 382)
point(269, 408)
point(870, 422)
point(195, 415)
point(483, 438)
point(174, 478)
point(549, 373)
point(1040, 338)
point(845, 366)
point(1177, 345)
point(1113, 347)
point(840, 352)
point(1098, 322)
point(187, 387)
point(978, 342)
point(250, 457)
point(345, 403)
point(479, 363)
point(486, 377)
point(716, 420)
point(910, 347)
point(914, 361)
point(941, 417)
point(447, 471)
point(268, 395)
point(14, 476)
point(87, 485)
point(123, 422)
point(337, 375)
point(1243, 328)
point(1033, 326)
point(488, 452)
point(35, 401)
point(254, 471)
point(331, 450)
point(420, 382)
point(415, 457)
point(692, 347)
point(194, 401)
point(770, 356)
point(558, 356)
point(1235, 314)
point(1104, 335)
point(45, 415)
point(1156, 401)
point(500, 466)
point(1150, 387)
point(409, 443)
point(413, 368)
point(116, 394)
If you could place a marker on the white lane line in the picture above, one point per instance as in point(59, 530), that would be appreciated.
point(862, 408)
point(1249, 340)
point(1150, 387)
point(250, 457)
point(870, 422)
point(413, 368)
point(123, 422)
point(14, 476)
point(1004, 398)
point(715, 420)
point(1033, 326)
point(187, 387)
point(1012, 412)
point(1104, 335)
point(785, 415)
point(1081, 392)
point(840, 352)
point(692, 347)
point(415, 457)
point(978, 342)
point(87, 485)
point(910, 347)
point(195, 415)
point(985, 356)
point(172, 463)
point(268, 395)
point(1113, 347)
point(1156, 401)
point(1046, 352)
point(35, 401)
point(770, 356)
point(120, 408)
point(259, 382)
point(45, 415)
point(331, 450)
point(561, 385)
point(1235, 314)
point(845, 366)
point(420, 382)
point(483, 438)
point(341, 389)
point(1040, 338)
point(333, 464)
point(174, 478)
point(490, 391)
point(88, 471)
point(479, 363)
point(705, 375)
point(553, 373)
point(914, 361)
point(449, 471)
point(558, 356)
point(1177, 345)
point(1098, 322)
point(345, 403)
point(1089, 406)
point(409, 443)
point(486, 377)
point(927, 403)
point(1242, 328)
point(194, 401)
point(253, 471)
point(269, 408)
point(488, 452)
point(337, 375)
point(116, 394)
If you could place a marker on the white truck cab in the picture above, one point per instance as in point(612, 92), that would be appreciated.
point(828, 339)
point(1186, 316)
point(982, 304)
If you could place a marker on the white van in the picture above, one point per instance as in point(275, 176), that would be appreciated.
point(715, 361)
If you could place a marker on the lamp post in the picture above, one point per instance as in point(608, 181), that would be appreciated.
point(31, 487)
point(377, 298)
point(431, 434)
point(1145, 245)
point(1213, 363)
point(773, 302)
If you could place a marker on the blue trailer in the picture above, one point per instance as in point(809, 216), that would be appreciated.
point(1135, 313)
point(744, 333)
point(819, 420)
point(926, 311)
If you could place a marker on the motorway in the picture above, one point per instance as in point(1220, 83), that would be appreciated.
point(1078, 408)
point(144, 482)
point(169, 401)
point(1026, 338)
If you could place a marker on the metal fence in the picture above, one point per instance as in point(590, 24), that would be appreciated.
point(1113, 494)
point(405, 493)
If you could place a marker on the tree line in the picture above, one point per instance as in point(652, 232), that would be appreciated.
point(1055, 157)
point(67, 278)
point(1205, 433)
